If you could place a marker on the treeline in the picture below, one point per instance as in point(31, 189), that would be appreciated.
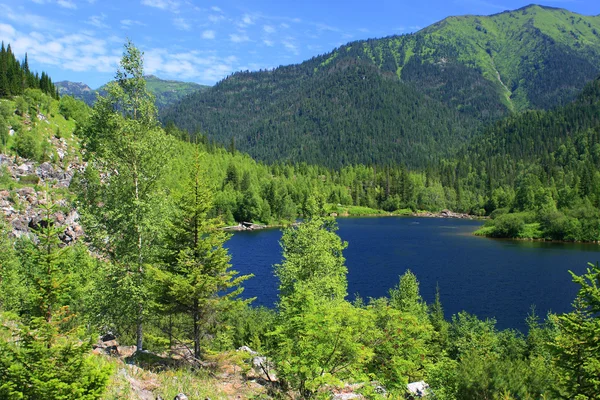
point(543, 167)
point(15, 76)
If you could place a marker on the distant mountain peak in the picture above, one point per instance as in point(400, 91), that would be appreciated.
point(166, 92)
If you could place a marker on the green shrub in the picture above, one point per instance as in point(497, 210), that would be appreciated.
point(508, 226)
point(27, 144)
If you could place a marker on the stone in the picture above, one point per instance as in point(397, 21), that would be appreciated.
point(26, 191)
point(247, 350)
point(418, 389)
point(23, 168)
point(72, 217)
point(45, 171)
point(108, 336)
point(180, 396)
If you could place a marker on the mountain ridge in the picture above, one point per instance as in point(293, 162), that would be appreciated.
point(165, 91)
point(481, 67)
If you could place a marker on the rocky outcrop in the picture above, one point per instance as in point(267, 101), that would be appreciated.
point(444, 214)
point(21, 205)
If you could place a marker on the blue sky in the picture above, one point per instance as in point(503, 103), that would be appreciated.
point(204, 41)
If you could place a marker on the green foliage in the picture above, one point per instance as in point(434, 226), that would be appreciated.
point(45, 362)
point(16, 78)
point(313, 259)
point(196, 278)
point(124, 143)
point(27, 144)
point(576, 347)
point(405, 296)
point(74, 109)
point(320, 341)
point(400, 340)
point(43, 355)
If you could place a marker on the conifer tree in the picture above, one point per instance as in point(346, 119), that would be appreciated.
point(42, 356)
point(196, 279)
point(577, 345)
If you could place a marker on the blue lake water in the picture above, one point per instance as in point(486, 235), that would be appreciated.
point(498, 279)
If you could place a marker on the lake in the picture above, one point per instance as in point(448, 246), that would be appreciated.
point(490, 278)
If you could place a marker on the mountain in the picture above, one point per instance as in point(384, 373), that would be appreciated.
point(408, 99)
point(170, 92)
point(77, 90)
point(167, 92)
point(563, 143)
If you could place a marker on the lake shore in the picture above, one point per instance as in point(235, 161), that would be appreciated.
point(250, 226)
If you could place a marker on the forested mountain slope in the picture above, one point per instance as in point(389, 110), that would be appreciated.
point(166, 92)
point(371, 101)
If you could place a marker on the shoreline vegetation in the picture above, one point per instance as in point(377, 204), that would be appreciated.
point(353, 211)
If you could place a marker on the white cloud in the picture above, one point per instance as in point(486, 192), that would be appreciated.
point(190, 65)
point(66, 4)
point(284, 25)
point(128, 23)
point(239, 38)
point(97, 21)
point(269, 29)
point(181, 24)
point(208, 34)
point(215, 18)
point(216, 9)
point(268, 42)
point(169, 5)
point(246, 20)
point(290, 46)
point(7, 32)
point(75, 51)
point(32, 20)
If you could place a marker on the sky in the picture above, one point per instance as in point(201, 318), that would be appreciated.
point(203, 41)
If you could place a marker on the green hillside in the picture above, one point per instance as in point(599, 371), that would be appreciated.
point(471, 70)
point(169, 92)
point(166, 92)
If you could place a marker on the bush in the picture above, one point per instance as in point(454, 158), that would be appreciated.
point(508, 226)
point(27, 144)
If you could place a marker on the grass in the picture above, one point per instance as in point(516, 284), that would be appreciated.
point(127, 381)
point(353, 211)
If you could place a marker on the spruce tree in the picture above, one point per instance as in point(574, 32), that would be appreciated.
point(196, 279)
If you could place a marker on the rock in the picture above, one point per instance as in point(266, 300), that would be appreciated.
point(259, 362)
point(45, 171)
point(108, 336)
point(72, 217)
point(180, 396)
point(23, 169)
point(418, 389)
point(380, 390)
point(247, 350)
point(26, 191)
point(347, 396)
